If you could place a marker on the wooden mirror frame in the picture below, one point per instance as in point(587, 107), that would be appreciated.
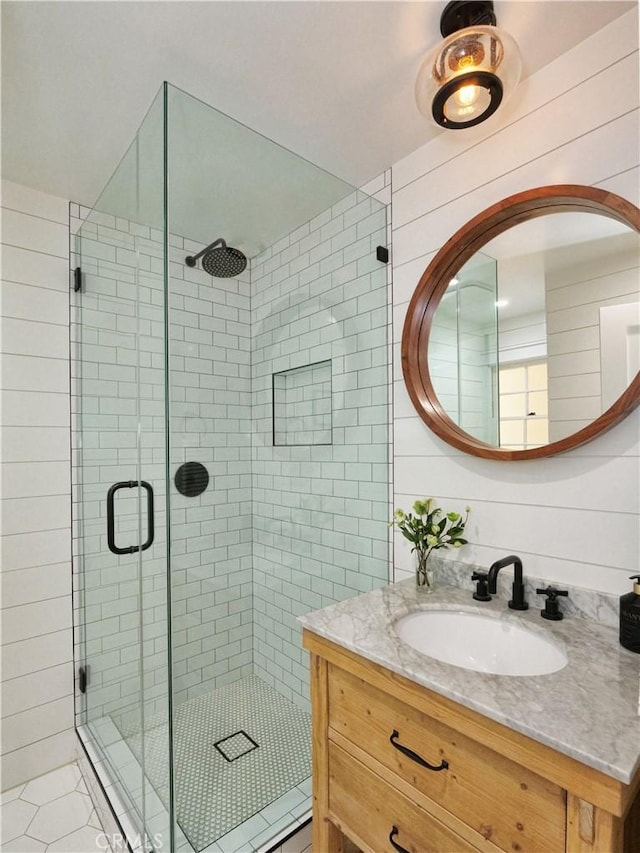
point(449, 260)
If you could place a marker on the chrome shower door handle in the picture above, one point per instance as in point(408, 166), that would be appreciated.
point(111, 533)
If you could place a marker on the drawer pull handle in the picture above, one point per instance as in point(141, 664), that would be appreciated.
point(399, 848)
point(414, 755)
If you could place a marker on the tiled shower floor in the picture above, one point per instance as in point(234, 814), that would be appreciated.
point(239, 802)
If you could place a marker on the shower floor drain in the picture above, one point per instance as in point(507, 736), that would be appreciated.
point(235, 745)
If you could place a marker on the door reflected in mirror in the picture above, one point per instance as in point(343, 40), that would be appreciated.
point(538, 334)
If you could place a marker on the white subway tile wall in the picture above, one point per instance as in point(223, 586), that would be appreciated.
point(302, 405)
point(37, 670)
point(460, 346)
point(117, 375)
point(319, 511)
point(545, 511)
point(210, 423)
point(119, 328)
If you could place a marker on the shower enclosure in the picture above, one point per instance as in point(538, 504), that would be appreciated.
point(230, 433)
point(463, 349)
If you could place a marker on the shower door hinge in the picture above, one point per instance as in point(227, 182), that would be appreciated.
point(77, 279)
point(83, 678)
point(382, 254)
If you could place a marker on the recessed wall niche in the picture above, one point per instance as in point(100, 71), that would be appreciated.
point(302, 405)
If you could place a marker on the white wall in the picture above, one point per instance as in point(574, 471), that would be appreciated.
point(37, 669)
point(573, 517)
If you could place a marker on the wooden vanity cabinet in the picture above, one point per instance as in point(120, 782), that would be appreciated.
point(397, 767)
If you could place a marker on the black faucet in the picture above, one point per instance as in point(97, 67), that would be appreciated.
point(517, 602)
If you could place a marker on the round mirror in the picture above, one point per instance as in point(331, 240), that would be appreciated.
point(522, 338)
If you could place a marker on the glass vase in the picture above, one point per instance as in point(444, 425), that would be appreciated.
point(424, 571)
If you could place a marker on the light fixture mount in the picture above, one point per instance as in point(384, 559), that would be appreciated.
point(465, 79)
point(459, 14)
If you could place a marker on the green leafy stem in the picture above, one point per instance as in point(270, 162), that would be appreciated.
point(429, 527)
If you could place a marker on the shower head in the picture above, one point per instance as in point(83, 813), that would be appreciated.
point(220, 260)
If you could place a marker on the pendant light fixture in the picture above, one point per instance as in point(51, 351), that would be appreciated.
point(465, 79)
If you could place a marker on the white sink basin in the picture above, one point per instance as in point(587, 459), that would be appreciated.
point(483, 642)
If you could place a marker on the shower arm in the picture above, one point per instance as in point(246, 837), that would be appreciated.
point(190, 261)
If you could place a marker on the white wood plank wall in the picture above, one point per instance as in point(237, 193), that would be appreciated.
point(37, 669)
point(572, 518)
point(575, 388)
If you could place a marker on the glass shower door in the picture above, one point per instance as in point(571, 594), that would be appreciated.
point(119, 482)
point(263, 496)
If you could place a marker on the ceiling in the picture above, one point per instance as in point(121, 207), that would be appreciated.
point(331, 81)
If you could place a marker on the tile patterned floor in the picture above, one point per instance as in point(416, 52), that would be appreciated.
point(51, 813)
point(253, 794)
point(260, 833)
point(54, 813)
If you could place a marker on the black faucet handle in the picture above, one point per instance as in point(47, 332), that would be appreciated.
point(551, 607)
point(552, 592)
point(482, 591)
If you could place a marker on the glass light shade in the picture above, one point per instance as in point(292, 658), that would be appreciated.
point(466, 77)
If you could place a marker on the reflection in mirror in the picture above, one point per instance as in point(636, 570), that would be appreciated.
point(539, 333)
point(463, 349)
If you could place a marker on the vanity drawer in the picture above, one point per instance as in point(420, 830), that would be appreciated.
point(369, 810)
point(497, 798)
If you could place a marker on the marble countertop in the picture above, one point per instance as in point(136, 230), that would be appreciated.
point(587, 710)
